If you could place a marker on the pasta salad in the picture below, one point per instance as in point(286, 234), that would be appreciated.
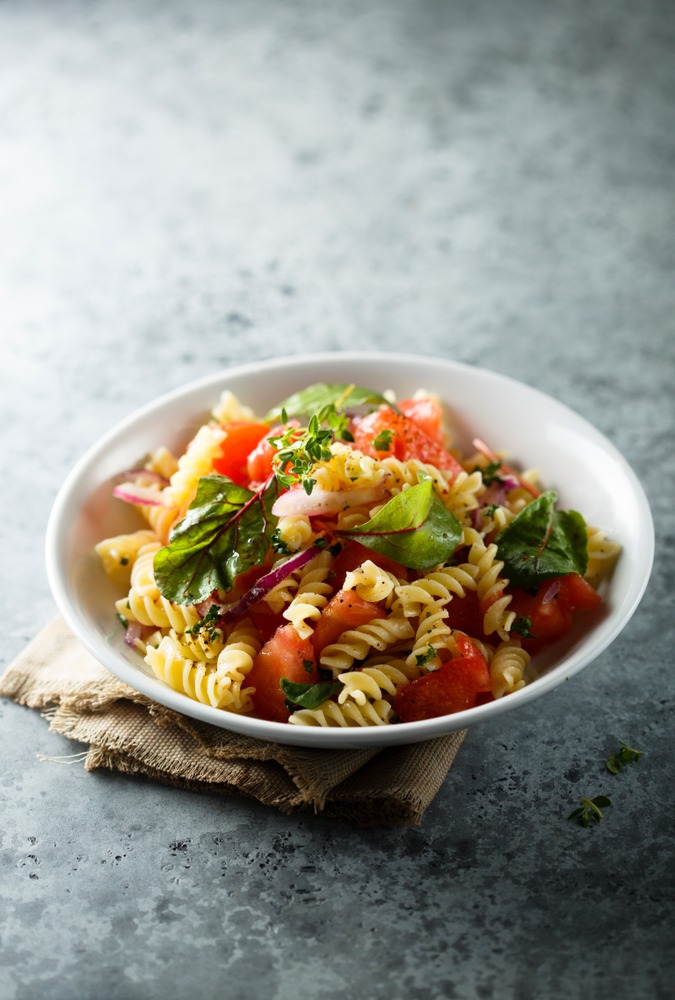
point(339, 563)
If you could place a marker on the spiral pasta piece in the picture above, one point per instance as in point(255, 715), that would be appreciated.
point(230, 408)
point(311, 596)
point(235, 663)
point(282, 594)
point(432, 636)
point(507, 668)
point(331, 715)
point(435, 587)
point(146, 605)
point(462, 495)
point(371, 683)
point(347, 469)
point(295, 531)
point(490, 586)
point(602, 555)
point(196, 679)
point(119, 552)
point(355, 644)
point(371, 582)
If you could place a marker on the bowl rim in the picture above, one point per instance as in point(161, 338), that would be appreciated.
point(412, 732)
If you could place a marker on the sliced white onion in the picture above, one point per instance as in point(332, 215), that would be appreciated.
point(319, 501)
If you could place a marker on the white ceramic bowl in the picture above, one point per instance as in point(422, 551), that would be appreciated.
point(537, 432)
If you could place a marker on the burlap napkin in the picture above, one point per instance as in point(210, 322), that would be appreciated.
point(128, 732)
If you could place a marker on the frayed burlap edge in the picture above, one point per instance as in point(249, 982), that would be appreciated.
point(129, 733)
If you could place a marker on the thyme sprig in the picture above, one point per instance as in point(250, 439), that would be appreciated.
point(589, 809)
point(299, 449)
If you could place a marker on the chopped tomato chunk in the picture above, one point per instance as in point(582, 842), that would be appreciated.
point(465, 614)
point(344, 611)
point(426, 413)
point(460, 683)
point(385, 433)
point(551, 611)
point(353, 553)
point(242, 437)
point(284, 655)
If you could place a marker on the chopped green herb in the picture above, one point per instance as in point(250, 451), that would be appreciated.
point(124, 621)
point(124, 561)
point(309, 666)
point(207, 625)
point(491, 473)
point(278, 544)
point(590, 810)
point(622, 756)
point(522, 625)
point(383, 441)
point(421, 659)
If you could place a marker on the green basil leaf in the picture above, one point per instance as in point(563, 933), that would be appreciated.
point(309, 695)
point(413, 528)
point(542, 543)
point(227, 529)
point(315, 397)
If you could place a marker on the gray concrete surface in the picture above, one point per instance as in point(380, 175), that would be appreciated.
point(188, 185)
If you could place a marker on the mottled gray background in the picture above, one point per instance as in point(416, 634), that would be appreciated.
point(188, 185)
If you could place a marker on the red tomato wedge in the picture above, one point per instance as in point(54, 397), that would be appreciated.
point(344, 611)
point(408, 440)
point(551, 611)
point(461, 683)
point(284, 655)
point(242, 437)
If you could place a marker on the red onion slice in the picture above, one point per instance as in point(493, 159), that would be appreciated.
point(263, 585)
point(551, 591)
point(144, 474)
point(135, 631)
point(144, 496)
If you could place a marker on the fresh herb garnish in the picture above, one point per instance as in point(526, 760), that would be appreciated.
point(278, 544)
point(299, 450)
point(491, 473)
point(426, 656)
point(542, 543)
point(309, 695)
point(590, 810)
point(622, 756)
point(383, 440)
point(413, 528)
point(123, 621)
point(208, 625)
point(227, 529)
point(522, 625)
